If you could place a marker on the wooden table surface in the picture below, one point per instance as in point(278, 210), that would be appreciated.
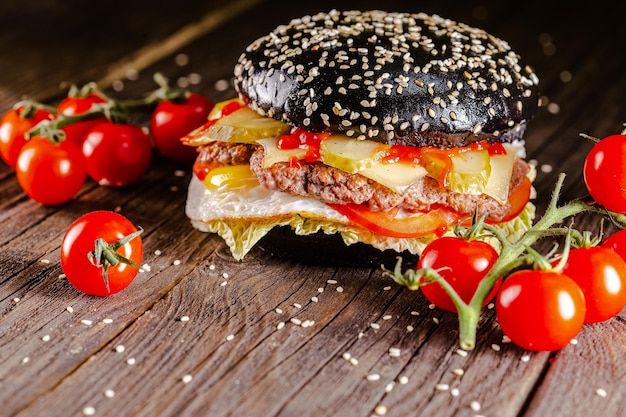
point(198, 334)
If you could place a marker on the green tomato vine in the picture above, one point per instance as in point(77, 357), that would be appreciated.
point(512, 255)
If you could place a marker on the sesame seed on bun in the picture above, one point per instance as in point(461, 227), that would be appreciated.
point(397, 78)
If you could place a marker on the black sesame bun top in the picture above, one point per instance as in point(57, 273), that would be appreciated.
point(398, 78)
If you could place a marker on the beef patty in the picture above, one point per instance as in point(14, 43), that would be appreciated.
point(335, 186)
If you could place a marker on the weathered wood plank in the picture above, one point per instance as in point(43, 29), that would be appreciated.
point(295, 370)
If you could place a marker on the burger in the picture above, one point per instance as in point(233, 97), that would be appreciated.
point(361, 133)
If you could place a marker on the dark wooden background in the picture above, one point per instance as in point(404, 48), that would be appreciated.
point(61, 351)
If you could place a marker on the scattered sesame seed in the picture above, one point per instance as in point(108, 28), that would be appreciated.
point(475, 406)
point(120, 348)
point(279, 310)
point(339, 289)
point(25, 359)
point(387, 288)
point(297, 305)
point(107, 321)
point(89, 411)
point(394, 352)
point(295, 321)
point(46, 338)
point(354, 361)
point(601, 392)
point(181, 59)
point(432, 306)
point(454, 392)
point(573, 342)
point(186, 378)
point(525, 358)
point(389, 387)
point(375, 326)
point(280, 325)
point(307, 323)
point(176, 262)
point(435, 320)
point(16, 300)
point(442, 387)
point(495, 347)
point(373, 377)
point(331, 281)
point(230, 337)
point(184, 318)
point(86, 322)
point(415, 313)
point(314, 299)
point(461, 352)
point(131, 361)
point(565, 76)
point(320, 290)
point(554, 108)
point(458, 372)
point(45, 261)
point(403, 380)
point(380, 410)
point(410, 328)
point(157, 252)
point(223, 283)
point(346, 356)
point(109, 393)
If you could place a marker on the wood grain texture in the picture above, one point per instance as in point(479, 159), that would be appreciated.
point(204, 335)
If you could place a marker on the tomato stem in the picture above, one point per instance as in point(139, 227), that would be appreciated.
point(105, 255)
point(117, 111)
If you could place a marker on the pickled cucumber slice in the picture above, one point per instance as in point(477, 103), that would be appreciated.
point(470, 172)
point(351, 155)
point(246, 126)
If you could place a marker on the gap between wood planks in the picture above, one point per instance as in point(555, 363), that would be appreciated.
point(152, 53)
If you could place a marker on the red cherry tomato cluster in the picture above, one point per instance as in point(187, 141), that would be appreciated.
point(540, 309)
point(54, 150)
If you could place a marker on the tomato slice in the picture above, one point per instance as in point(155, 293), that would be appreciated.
point(386, 223)
point(434, 222)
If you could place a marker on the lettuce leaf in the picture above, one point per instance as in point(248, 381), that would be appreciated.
point(241, 236)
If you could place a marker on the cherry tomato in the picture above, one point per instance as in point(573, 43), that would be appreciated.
point(50, 173)
point(540, 310)
point(95, 276)
point(462, 263)
point(13, 126)
point(74, 106)
point(434, 222)
point(604, 172)
point(171, 121)
point(617, 242)
point(117, 154)
point(601, 274)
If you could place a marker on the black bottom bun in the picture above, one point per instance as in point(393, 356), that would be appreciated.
point(328, 250)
